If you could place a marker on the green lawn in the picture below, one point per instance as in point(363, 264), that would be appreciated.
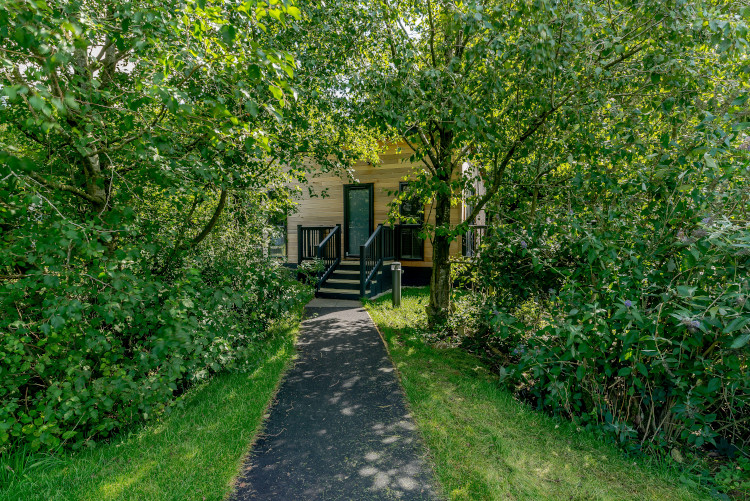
point(194, 453)
point(487, 445)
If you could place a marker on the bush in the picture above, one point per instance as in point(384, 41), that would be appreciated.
point(94, 337)
point(634, 320)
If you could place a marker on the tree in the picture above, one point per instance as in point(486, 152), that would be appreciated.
point(502, 85)
point(138, 165)
point(118, 93)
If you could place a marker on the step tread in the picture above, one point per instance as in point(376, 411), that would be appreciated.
point(333, 280)
point(337, 295)
point(341, 286)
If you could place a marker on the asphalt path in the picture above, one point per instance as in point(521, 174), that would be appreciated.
point(339, 427)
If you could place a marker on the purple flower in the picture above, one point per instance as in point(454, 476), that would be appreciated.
point(524, 244)
point(519, 350)
point(706, 220)
point(571, 212)
point(628, 303)
point(692, 325)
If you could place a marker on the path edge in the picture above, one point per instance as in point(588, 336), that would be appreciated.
point(266, 413)
point(427, 452)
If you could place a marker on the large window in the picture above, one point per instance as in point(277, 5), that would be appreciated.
point(410, 246)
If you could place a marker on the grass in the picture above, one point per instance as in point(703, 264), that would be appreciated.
point(194, 452)
point(487, 445)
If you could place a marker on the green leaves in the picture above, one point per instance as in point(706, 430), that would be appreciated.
point(294, 12)
point(276, 92)
point(228, 33)
point(125, 122)
point(741, 341)
point(736, 324)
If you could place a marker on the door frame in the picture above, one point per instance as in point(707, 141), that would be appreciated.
point(348, 187)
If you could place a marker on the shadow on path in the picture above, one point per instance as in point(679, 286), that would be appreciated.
point(339, 428)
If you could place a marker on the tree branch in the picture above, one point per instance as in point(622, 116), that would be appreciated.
point(429, 166)
point(432, 34)
point(498, 171)
point(63, 187)
point(214, 219)
point(428, 147)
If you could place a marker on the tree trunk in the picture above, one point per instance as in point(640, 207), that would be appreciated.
point(95, 183)
point(440, 281)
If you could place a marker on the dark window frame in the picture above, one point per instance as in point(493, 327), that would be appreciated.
point(417, 243)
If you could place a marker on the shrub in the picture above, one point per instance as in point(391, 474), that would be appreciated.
point(634, 320)
point(94, 337)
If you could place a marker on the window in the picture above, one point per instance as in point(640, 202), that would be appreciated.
point(277, 242)
point(412, 207)
point(410, 246)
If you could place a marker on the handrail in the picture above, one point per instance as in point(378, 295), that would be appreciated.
point(373, 236)
point(331, 257)
point(329, 237)
point(323, 243)
point(370, 259)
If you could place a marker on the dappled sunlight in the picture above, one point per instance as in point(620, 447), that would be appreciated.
point(339, 421)
point(116, 488)
point(487, 445)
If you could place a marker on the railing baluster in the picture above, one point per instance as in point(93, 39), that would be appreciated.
point(320, 242)
point(371, 260)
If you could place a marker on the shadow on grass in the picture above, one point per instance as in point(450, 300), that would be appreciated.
point(487, 445)
point(194, 452)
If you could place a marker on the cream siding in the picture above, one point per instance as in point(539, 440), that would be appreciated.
point(328, 209)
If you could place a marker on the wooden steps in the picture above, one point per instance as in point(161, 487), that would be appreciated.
point(344, 282)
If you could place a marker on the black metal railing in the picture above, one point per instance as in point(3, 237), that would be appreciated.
point(378, 248)
point(472, 240)
point(329, 252)
point(322, 243)
point(308, 239)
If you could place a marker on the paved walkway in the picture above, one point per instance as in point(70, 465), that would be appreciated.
point(339, 428)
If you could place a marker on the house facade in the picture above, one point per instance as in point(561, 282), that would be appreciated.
point(345, 225)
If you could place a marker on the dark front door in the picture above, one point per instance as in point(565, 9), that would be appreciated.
point(357, 217)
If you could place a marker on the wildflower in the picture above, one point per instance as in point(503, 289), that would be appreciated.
point(571, 212)
point(692, 325)
point(524, 244)
point(628, 303)
point(706, 220)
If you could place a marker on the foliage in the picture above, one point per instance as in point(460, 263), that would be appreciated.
point(735, 477)
point(638, 277)
point(486, 445)
point(140, 174)
point(99, 344)
point(495, 90)
point(311, 270)
point(196, 450)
